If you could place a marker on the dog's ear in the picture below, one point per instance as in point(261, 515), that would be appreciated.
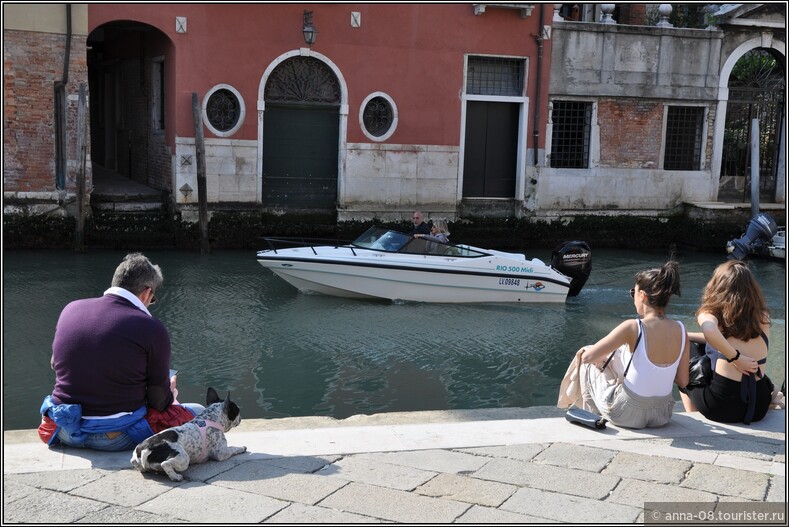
point(232, 410)
point(211, 397)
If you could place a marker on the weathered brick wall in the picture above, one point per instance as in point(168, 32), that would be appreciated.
point(633, 14)
point(32, 63)
point(159, 162)
point(630, 133)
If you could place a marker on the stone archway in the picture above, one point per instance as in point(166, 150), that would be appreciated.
point(757, 90)
point(743, 96)
point(302, 123)
point(129, 101)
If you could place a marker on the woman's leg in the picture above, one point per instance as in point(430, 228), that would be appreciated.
point(596, 387)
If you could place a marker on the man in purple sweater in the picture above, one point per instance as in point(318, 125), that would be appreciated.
point(112, 359)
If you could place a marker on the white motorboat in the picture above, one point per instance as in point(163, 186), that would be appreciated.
point(387, 264)
point(777, 246)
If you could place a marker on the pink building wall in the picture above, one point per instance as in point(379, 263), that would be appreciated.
point(414, 52)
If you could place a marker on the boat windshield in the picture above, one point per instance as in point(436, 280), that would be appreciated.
point(381, 239)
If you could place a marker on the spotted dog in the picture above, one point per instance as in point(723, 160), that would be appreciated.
point(172, 450)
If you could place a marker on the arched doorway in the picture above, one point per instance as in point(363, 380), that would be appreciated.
point(130, 88)
point(757, 90)
point(301, 131)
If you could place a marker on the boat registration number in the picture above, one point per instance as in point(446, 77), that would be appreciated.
point(509, 281)
point(514, 269)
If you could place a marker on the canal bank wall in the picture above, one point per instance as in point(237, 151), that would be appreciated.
point(690, 227)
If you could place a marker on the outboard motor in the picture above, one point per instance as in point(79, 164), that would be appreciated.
point(573, 259)
point(761, 230)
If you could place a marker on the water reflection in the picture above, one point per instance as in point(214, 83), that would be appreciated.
point(237, 327)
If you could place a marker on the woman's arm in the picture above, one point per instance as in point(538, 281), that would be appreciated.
point(714, 337)
point(697, 336)
point(682, 376)
point(624, 333)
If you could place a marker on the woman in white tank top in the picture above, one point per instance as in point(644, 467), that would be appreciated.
point(634, 390)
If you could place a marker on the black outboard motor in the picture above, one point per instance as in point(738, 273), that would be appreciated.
point(760, 231)
point(573, 259)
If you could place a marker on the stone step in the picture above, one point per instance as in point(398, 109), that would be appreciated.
point(129, 206)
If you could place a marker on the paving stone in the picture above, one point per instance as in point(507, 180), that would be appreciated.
point(568, 509)
point(488, 515)
point(300, 513)
point(363, 470)
point(744, 463)
point(49, 506)
point(62, 480)
point(636, 492)
point(777, 490)
point(126, 515)
point(303, 464)
point(661, 447)
point(727, 481)
point(433, 460)
point(189, 502)
point(211, 469)
point(741, 445)
point(394, 505)
point(470, 490)
point(648, 468)
point(263, 478)
point(574, 456)
point(14, 489)
point(547, 477)
point(127, 488)
point(522, 452)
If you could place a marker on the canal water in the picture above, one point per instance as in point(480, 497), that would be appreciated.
point(235, 326)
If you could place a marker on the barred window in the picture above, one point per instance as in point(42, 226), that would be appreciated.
point(495, 76)
point(572, 126)
point(377, 116)
point(684, 126)
point(223, 110)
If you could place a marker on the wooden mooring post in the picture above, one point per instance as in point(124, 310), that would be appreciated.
point(202, 199)
point(82, 149)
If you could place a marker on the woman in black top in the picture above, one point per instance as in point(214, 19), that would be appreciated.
point(735, 323)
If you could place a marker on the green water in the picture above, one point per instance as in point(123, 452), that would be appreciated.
point(235, 326)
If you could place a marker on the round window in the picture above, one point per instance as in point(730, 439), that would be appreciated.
point(378, 116)
point(223, 110)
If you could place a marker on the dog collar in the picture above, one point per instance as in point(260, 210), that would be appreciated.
point(202, 425)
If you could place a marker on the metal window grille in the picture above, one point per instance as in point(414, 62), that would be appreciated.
point(572, 127)
point(495, 76)
point(684, 125)
point(378, 116)
point(223, 110)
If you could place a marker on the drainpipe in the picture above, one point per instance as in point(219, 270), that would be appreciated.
point(60, 112)
point(536, 130)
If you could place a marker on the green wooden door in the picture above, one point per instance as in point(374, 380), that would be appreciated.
point(300, 156)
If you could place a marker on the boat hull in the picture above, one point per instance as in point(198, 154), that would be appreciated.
point(420, 279)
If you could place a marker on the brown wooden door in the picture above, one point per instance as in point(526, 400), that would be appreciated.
point(490, 160)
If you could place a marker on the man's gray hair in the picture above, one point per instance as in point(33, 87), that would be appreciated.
point(136, 273)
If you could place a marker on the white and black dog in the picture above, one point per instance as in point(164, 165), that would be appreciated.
point(174, 449)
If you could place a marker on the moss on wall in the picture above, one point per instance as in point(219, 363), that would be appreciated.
point(243, 230)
